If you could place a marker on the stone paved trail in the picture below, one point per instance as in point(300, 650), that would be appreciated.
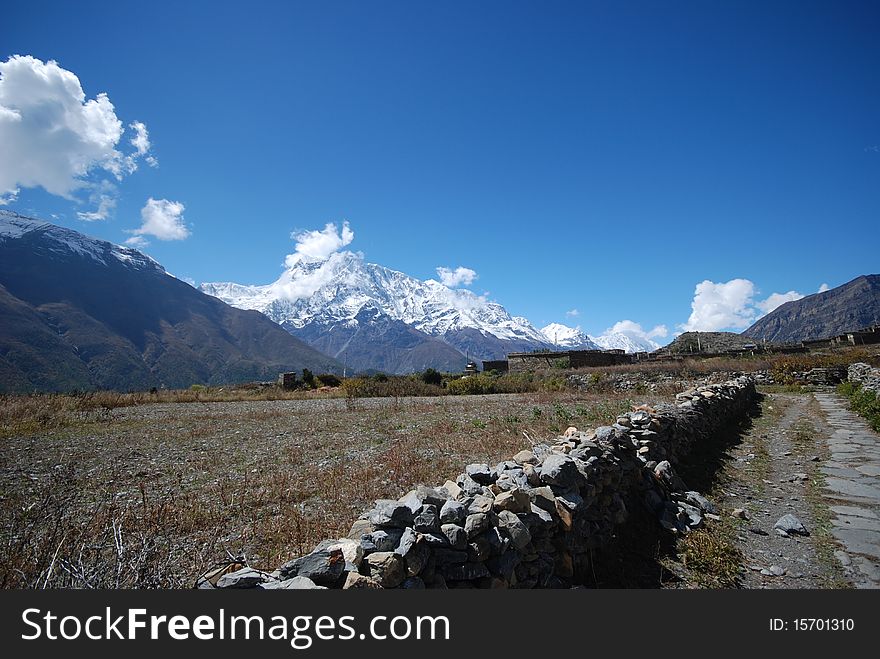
point(852, 478)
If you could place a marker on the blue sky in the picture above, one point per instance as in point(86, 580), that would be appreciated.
point(603, 157)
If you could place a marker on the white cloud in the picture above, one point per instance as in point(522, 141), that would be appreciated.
point(307, 282)
point(454, 278)
point(138, 242)
point(718, 306)
point(635, 330)
point(52, 136)
point(162, 219)
point(141, 142)
point(777, 299)
point(103, 195)
point(730, 305)
point(572, 313)
point(823, 288)
point(319, 244)
point(9, 196)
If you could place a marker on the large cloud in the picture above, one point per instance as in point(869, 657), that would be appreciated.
point(460, 276)
point(53, 137)
point(730, 305)
point(718, 306)
point(319, 244)
point(777, 299)
point(635, 330)
point(162, 219)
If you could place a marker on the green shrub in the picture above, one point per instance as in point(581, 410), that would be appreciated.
point(328, 380)
point(308, 378)
point(863, 402)
point(432, 376)
point(471, 385)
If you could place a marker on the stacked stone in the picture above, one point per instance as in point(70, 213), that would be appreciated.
point(528, 522)
point(866, 375)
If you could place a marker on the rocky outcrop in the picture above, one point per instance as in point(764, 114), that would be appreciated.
point(529, 522)
point(866, 375)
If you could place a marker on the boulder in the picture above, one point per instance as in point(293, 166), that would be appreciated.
point(386, 568)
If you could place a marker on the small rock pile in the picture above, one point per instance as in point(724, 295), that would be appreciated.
point(866, 375)
point(528, 522)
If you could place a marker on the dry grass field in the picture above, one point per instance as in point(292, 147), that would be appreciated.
point(101, 493)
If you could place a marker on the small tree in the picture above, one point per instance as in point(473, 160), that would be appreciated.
point(432, 376)
point(309, 378)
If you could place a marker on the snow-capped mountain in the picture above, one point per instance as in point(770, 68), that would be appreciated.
point(568, 338)
point(60, 240)
point(343, 294)
point(627, 342)
point(572, 338)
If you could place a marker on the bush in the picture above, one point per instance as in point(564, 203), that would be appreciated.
point(329, 380)
point(862, 401)
point(308, 378)
point(432, 376)
point(471, 385)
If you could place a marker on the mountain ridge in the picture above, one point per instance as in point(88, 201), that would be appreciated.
point(848, 307)
point(83, 313)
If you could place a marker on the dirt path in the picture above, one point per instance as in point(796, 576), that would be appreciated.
point(774, 472)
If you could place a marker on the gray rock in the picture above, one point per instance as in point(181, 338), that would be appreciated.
point(481, 473)
point(479, 548)
point(456, 536)
point(358, 581)
point(414, 551)
point(525, 457)
point(453, 512)
point(427, 521)
point(381, 540)
point(791, 525)
point(244, 578)
point(469, 486)
point(391, 514)
point(387, 568)
point(480, 504)
point(515, 500)
point(295, 583)
point(560, 470)
point(701, 502)
point(477, 523)
point(543, 497)
point(691, 515)
point(518, 532)
point(324, 567)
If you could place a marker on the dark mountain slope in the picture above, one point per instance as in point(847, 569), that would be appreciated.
point(853, 306)
point(83, 313)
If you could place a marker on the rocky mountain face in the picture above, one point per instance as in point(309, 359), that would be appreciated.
point(849, 307)
point(707, 342)
point(81, 313)
point(373, 318)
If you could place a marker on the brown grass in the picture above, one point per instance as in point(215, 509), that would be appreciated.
point(93, 494)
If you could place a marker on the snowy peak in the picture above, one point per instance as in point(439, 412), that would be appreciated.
point(566, 337)
point(622, 341)
point(62, 241)
point(571, 338)
point(340, 287)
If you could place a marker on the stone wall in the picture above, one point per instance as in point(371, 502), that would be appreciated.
point(519, 362)
point(529, 522)
point(866, 375)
